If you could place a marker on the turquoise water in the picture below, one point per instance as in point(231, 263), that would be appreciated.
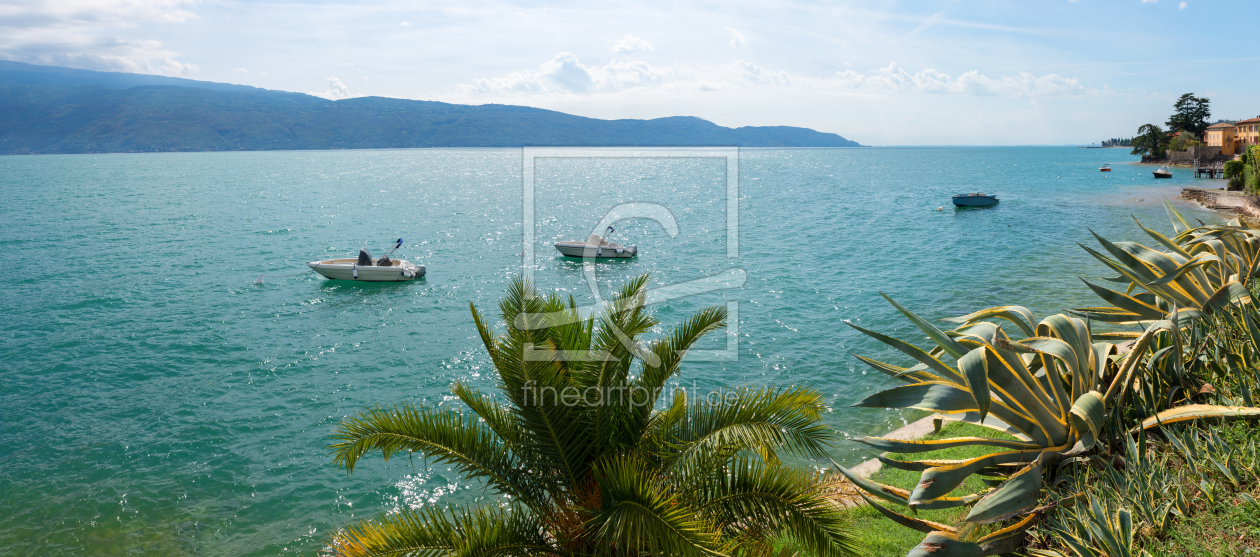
point(156, 402)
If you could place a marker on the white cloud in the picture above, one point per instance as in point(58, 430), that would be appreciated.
point(566, 75)
point(630, 44)
point(1149, 1)
point(171, 67)
point(1181, 6)
point(737, 40)
point(241, 70)
point(83, 34)
point(405, 24)
point(336, 91)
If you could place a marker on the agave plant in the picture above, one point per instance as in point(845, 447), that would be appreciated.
point(1048, 386)
point(586, 457)
point(1205, 268)
point(1140, 480)
point(1097, 530)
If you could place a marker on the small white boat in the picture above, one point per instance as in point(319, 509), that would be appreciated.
point(1105, 168)
point(974, 200)
point(366, 270)
point(596, 247)
point(1163, 172)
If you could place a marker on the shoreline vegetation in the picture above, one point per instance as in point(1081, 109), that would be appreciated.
point(1130, 459)
point(1126, 429)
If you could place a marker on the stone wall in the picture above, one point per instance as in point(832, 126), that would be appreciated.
point(1205, 153)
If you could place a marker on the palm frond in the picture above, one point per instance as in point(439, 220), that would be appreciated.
point(447, 437)
point(484, 532)
point(764, 420)
point(640, 515)
point(669, 352)
point(802, 504)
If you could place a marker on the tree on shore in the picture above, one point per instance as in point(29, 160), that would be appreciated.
point(1150, 141)
point(1191, 115)
point(587, 458)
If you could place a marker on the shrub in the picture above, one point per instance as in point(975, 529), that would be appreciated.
point(1233, 169)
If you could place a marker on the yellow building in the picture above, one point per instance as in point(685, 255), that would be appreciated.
point(1247, 133)
point(1221, 135)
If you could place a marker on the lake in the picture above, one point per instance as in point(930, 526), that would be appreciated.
point(156, 401)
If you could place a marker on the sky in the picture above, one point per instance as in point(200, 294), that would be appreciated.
point(927, 72)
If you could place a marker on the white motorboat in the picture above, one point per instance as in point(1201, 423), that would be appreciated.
point(596, 247)
point(366, 270)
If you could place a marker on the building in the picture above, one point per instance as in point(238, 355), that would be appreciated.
point(1247, 133)
point(1222, 135)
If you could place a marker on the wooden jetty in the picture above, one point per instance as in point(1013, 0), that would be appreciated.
point(1212, 170)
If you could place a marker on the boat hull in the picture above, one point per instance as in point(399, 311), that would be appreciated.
point(1158, 175)
point(974, 201)
point(347, 269)
point(578, 249)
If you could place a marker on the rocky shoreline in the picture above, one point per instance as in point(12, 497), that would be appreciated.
point(1244, 205)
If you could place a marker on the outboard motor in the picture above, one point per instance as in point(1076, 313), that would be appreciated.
point(365, 258)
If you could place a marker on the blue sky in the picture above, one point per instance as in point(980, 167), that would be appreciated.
point(882, 73)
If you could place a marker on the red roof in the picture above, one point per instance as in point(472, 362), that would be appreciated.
point(1255, 120)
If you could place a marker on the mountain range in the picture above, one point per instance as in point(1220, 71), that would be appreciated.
point(47, 110)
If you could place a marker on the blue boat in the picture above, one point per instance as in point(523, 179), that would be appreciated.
point(974, 200)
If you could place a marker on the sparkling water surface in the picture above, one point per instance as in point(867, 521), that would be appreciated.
point(157, 402)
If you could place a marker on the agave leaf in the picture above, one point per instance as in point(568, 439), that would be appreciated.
point(1193, 412)
point(1164, 241)
point(1142, 278)
point(1007, 539)
point(947, 544)
point(974, 368)
point(948, 344)
point(1124, 302)
point(1180, 224)
point(1107, 315)
point(907, 447)
point(903, 373)
point(1019, 315)
point(1072, 331)
point(900, 496)
point(1088, 413)
point(1131, 262)
point(885, 492)
point(1017, 494)
point(1232, 293)
point(1118, 336)
point(1201, 260)
point(933, 396)
point(913, 523)
point(1019, 388)
point(939, 481)
point(914, 465)
point(914, 352)
point(1061, 350)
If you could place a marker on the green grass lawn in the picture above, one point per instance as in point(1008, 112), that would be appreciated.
point(1230, 530)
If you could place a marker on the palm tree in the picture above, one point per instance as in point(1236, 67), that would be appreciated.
point(591, 460)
